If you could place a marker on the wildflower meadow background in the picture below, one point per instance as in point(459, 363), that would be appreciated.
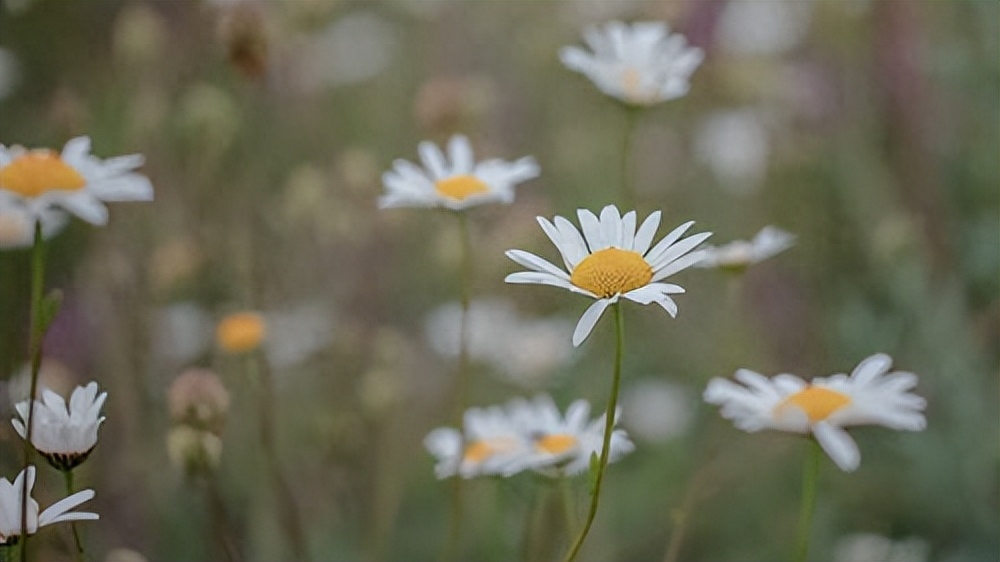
point(278, 351)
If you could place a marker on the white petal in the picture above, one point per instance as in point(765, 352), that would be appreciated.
point(644, 236)
point(58, 511)
point(611, 226)
point(461, 155)
point(669, 239)
point(535, 263)
point(591, 230)
point(839, 445)
point(86, 207)
point(628, 230)
point(588, 320)
point(538, 278)
point(678, 265)
point(870, 368)
point(573, 244)
point(433, 160)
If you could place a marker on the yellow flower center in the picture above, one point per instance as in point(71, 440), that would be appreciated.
point(478, 451)
point(556, 444)
point(460, 187)
point(818, 403)
point(39, 171)
point(240, 332)
point(611, 271)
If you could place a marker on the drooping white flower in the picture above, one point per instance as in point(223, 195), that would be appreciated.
point(565, 444)
point(640, 64)
point(612, 259)
point(490, 444)
point(74, 180)
point(739, 254)
point(10, 508)
point(65, 436)
point(456, 184)
point(871, 395)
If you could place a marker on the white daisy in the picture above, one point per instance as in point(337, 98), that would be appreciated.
point(618, 263)
point(65, 436)
point(870, 396)
point(457, 185)
point(565, 444)
point(75, 180)
point(640, 64)
point(739, 254)
point(492, 445)
point(17, 226)
point(10, 508)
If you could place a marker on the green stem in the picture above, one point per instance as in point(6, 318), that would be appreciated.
point(628, 175)
point(461, 381)
point(569, 509)
point(810, 478)
point(7, 553)
point(609, 426)
point(220, 521)
point(78, 555)
point(35, 338)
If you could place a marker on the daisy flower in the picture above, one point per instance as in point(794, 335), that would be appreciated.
point(611, 260)
point(871, 395)
point(74, 180)
point(640, 64)
point(240, 332)
point(456, 185)
point(10, 508)
point(565, 444)
point(740, 254)
point(491, 444)
point(17, 226)
point(65, 436)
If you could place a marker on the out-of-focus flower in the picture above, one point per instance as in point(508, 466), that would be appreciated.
point(352, 49)
point(656, 410)
point(195, 451)
point(763, 28)
point(493, 445)
point(640, 64)
point(735, 145)
point(564, 445)
point(457, 185)
point(870, 396)
point(240, 332)
point(198, 398)
point(10, 508)
point(209, 118)
point(740, 254)
point(75, 180)
point(64, 435)
point(869, 547)
point(181, 331)
point(17, 226)
point(10, 73)
point(523, 350)
point(615, 261)
point(294, 333)
point(140, 35)
point(243, 32)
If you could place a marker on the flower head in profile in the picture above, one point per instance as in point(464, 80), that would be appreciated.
point(871, 395)
point(456, 182)
point(10, 508)
point(640, 64)
point(64, 435)
point(610, 260)
point(564, 445)
point(738, 255)
point(491, 444)
point(74, 180)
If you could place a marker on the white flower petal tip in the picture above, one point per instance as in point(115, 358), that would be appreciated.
point(64, 434)
point(640, 64)
point(740, 254)
point(41, 184)
point(871, 395)
point(454, 181)
point(10, 508)
point(607, 258)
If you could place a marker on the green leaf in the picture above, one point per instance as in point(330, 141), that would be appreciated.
point(48, 310)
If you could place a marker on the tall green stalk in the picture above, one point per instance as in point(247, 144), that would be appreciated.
point(35, 337)
point(810, 478)
point(609, 426)
point(78, 555)
point(627, 171)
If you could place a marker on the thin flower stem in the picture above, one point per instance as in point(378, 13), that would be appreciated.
point(7, 553)
point(461, 380)
point(609, 426)
point(628, 175)
point(810, 478)
point(289, 513)
point(35, 338)
point(569, 509)
point(78, 555)
point(220, 521)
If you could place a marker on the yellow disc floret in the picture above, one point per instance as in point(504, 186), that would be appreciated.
point(817, 402)
point(39, 171)
point(460, 187)
point(611, 271)
point(240, 332)
point(556, 444)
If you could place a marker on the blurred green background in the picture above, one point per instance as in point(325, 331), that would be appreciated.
point(868, 128)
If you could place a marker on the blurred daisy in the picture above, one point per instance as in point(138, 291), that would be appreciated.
point(871, 395)
point(65, 436)
point(610, 260)
point(564, 445)
point(740, 254)
point(76, 181)
point(10, 508)
point(240, 332)
point(492, 445)
point(17, 226)
point(640, 64)
point(457, 185)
